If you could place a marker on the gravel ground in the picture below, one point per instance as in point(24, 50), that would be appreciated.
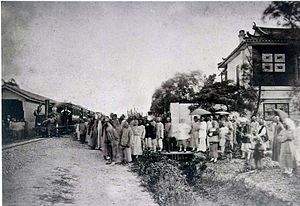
point(60, 171)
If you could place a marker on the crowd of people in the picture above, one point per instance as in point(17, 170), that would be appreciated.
point(218, 137)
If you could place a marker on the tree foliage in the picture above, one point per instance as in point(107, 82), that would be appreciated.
point(235, 97)
point(287, 13)
point(181, 88)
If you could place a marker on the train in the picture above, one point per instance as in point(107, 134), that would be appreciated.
point(67, 115)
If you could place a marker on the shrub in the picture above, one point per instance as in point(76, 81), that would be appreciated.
point(163, 177)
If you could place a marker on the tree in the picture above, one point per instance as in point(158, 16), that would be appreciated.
point(287, 13)
point(234, 97)
point(249, 83)
point(181, 88)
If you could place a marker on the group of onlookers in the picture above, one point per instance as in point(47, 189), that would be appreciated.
point(219, 137)
point(13, 128)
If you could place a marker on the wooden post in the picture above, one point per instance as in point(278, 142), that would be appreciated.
point(47, 102)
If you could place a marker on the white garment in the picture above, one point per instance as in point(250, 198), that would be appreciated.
point(77, 131)
point(202, 136)
point(183, 131)
point(99, 130)
point(296, 145)
point(222, 134)
point(159, 130)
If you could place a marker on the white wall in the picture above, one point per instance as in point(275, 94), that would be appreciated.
point(243, 57)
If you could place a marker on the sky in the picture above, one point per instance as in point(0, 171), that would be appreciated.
point(111, 56)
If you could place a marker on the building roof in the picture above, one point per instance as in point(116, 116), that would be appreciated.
point(26, 94)
point(35, 97)
point(264, 35)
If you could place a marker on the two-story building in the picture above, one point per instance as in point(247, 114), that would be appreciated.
point(273, 56)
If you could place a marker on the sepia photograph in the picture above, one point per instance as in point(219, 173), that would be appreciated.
point(150, 103)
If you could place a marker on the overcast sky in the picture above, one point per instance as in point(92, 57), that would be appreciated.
point(110, 56)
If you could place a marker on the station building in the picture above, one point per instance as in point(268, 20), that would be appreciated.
point(21, 104)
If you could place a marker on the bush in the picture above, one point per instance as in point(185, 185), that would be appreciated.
point(163, 177)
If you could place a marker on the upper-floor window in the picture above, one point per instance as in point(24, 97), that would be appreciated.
point(273, 62)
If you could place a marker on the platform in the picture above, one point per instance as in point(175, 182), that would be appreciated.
point(175, 155)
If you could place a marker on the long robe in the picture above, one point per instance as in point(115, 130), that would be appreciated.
point(195, 134)
point(99, 134)
point(136, 146)
point(286, 157)
point(183, 131)
point(296, 144)
point(276, 143)
point(202, 136)
point(94, 135)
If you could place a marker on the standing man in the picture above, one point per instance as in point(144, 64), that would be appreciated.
point(99, 134)
point(159, 133)
point(195, 133)
point(65, 113)
point(82, 131)
point(168, 135)
point(254, 125)
point(109, 135)
point(276, 143)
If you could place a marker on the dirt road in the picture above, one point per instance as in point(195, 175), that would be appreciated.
point(60, 171)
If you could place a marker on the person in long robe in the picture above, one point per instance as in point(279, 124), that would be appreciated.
point(88, 134)
point(116, 142)
point(143, 134)
point(77, 130)
point(93, 134)
point(136, 147)
point(150, 133)
point(223, 131)
point(168, 136)
point(229, 125)
point(296, 144)
point(276, 143)
point(213, 137)
point(202, 136)
point(110, 136)
point(125, 142)
point(183, 135)
point(159, 133)
point(195, 134)
point(82, 131)
point(286, 137)
point(99, 132)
